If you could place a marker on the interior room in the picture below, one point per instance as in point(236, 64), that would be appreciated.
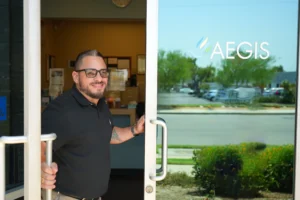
point(118, 31)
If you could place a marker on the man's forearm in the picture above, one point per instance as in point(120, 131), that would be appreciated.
point(120, 135)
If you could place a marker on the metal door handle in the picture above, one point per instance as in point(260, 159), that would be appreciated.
point(158, 171)
point(164, 162)
point(19, 140)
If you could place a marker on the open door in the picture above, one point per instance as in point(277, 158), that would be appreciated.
point(152, 174)
point(32, 110)
point(202, 30)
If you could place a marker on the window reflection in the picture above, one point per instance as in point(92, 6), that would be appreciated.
point(227, 89)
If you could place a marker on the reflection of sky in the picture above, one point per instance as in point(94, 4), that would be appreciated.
point(183, 23)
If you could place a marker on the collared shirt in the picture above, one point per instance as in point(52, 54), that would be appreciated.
point(82, 147)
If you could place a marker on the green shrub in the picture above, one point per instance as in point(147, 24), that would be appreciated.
point(279, 168)
point(251, 177)
point(177, 179)
point(217, 169)
point(287, 97)
point(252, 147)
point(272, 99)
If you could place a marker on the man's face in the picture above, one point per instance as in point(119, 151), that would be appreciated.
point(93, 87)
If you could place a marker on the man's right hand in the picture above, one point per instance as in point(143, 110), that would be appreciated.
point(48, 175)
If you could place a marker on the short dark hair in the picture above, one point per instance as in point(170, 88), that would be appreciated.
point(83, 54)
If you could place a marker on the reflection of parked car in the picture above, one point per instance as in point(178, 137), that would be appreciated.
point(239, 95)
point(277, 91)
point(186, 90)
point(273, 92)
point(210, 95)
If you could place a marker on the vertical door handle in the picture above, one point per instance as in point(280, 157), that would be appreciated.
point(158, 171)
point(163, 169)
point(19, 140)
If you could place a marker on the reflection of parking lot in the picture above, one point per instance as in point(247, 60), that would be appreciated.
point(180, 98)
point(228, 129)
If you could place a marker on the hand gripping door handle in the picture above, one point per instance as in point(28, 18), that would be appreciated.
point(49, 142)
point(163, 169)
point(19, 140)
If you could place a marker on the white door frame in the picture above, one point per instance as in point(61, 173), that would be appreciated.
point(32, 99)
point(150, 98)
point(297, 127)
point(32, 106)
point(151, 122)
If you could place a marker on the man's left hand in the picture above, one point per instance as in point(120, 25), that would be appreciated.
point(140, 125)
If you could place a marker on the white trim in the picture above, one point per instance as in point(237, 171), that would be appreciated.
point(297, 143)
point(32, 99)
point(151, 97)
point(14, 193)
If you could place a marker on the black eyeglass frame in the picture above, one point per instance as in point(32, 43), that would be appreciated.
point(97, 71)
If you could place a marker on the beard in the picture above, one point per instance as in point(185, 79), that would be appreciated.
point(88, 92)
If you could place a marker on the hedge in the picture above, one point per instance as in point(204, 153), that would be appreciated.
point(243, 170)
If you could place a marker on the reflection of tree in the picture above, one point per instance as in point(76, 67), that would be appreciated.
point(278, 68)
point(201, 75)
point(251, 71)
point(289, 93)
point(173, 68)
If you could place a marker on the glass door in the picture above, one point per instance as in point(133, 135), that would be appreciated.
point(32, 108)
point(223, 76)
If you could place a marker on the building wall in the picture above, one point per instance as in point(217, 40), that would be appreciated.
point(11, 84)
point(66, 38)
point(95, 9)
point(4, 60)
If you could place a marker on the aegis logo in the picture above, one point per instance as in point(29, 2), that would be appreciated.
point(256, 49)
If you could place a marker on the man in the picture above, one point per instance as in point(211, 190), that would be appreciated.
point(83, 123)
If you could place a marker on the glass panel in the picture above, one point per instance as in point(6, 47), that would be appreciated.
point(11, 88)
point(226, 89)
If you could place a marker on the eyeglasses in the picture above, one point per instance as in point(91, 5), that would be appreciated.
point(92, 73)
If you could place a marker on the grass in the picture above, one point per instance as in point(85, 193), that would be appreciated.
point(278, 105)
point(248, 149)
point(178, 179)
point(178, 146)
point(187, 146)
point(198, 105)
point(253, 106)
point(177, 161)
point(175, 106)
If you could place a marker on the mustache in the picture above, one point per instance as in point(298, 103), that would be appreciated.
point(97, 83)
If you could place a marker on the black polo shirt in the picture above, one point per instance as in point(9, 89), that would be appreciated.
point(82, 147)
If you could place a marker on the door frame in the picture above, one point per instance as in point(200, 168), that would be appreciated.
point(151, 98)
point(297, 123)
point(32, 98)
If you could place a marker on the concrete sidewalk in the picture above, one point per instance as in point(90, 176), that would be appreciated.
point(179, 153)
point(188, 169)
point(229, 111)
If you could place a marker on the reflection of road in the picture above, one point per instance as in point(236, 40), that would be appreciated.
point(229, 129)
point(180, 98)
